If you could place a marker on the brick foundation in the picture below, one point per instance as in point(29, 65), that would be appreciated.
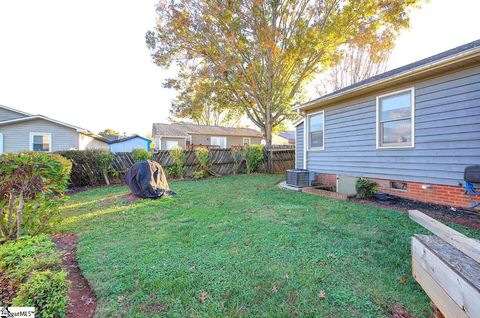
point(436, 193)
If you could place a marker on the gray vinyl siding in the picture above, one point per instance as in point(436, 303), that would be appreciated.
point(299, 146)
point(16, 136)
point(6, 114)
point(447, 134)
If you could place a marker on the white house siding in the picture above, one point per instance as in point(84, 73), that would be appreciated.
point(87, 142)
point(447, 134)
point(16, 136)
point(129, 145)
point(6, 114)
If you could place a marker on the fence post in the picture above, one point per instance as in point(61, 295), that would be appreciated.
point(270, 160)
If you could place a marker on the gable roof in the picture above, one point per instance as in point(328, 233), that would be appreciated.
point(15, 110)
point(31, 117)
point(185, 130)
point(290, 135)
point(460, 55)
point(122, 139)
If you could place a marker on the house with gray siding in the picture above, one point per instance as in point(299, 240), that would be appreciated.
point(413, 129)
point(21, 131)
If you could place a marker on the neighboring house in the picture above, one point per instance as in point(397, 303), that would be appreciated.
point(288, 135)
point(413, 129)
point(21, 131)
point(279, 140)
point(128, 143)
point(169, 136)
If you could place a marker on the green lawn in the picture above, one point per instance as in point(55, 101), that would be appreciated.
point(239, 246)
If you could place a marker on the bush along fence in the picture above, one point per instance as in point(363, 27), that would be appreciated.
point(90, 167)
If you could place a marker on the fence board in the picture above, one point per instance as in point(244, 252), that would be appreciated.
point(275, 160)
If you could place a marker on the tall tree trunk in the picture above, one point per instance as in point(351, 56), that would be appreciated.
point(19, 215)
point(268, 125)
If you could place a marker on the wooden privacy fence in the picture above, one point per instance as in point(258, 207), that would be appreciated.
point(224, 161)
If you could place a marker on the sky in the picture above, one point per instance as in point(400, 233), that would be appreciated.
point(86, 62)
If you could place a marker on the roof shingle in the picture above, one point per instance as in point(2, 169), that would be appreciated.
point(184, 130)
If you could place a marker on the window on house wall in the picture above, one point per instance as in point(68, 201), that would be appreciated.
point(247, 141)
point(171, 144)
point(41, 142)
point(395, 119)
point(218, 141)
point(316, 125)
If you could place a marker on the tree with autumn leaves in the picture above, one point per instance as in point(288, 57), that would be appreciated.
point(260, 54)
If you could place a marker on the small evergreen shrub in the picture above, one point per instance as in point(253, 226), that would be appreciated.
point(34, 266)
point(141, 154)
point(253, 156)
point(365, 188)
point(31, 187)
point(204, 162)
point(90, 167)
point(46, 291)
point(177, 170)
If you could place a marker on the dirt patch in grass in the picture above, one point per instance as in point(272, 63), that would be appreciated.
point(398, 311)
point(466, 217)
point(7, 290)
point(82, 301)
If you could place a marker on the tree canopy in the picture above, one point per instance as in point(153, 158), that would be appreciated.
point(261, 53)
point(109, 132)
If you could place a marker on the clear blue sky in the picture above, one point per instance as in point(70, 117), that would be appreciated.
point(86, 63)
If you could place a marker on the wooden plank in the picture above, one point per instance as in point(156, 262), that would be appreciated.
point(469, 246)
point(441, 299)
point(446, 274)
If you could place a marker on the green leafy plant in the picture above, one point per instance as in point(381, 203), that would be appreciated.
point(177, 169)
point(141, 154)
point(33, 264)
point(253, 156)
point(19, 258)
point(31, 186)
point(90, 167)
point(204, 161)
point(365, 188)
point(46, 291)
point(198, 175)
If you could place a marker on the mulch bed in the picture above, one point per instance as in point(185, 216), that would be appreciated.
point(466, 217)
point(82, 301)
point(7, 290)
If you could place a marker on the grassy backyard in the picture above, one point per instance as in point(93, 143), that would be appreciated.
point(239, 246)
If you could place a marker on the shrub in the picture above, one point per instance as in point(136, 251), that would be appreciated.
point(46, 291)
point(365, 188)
point(237, 159)
point(33, 265)
point(141, 154)
point(18, 259)
point(253, 156)
point(204, 161)
point(31, 186)
point(177, 170)
point(198, 175)
point(90, 167)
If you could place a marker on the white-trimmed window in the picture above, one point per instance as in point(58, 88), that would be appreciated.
point(171, 144)
point(395, 119)
point(218, 141)
point(315, 130)
point(247, 141)
point(40, 142)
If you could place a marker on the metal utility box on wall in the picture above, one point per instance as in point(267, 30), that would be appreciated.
point(298, 178)
point(346, 185)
